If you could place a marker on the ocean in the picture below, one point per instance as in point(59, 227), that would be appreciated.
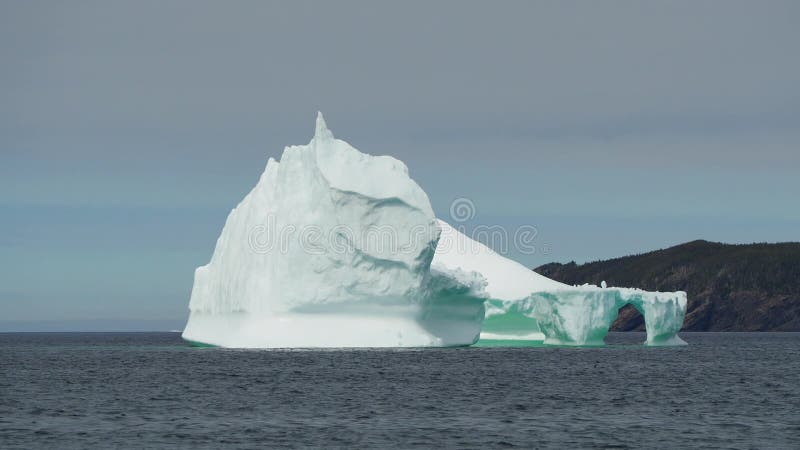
point(146, 390)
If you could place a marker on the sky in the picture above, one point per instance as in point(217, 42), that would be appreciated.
point(128, 130)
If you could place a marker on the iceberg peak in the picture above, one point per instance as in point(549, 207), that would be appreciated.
point(321, 130)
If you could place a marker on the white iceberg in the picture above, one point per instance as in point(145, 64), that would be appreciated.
point(336, 248)
point(332, 248)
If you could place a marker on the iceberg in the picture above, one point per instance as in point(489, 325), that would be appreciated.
point(338, 248)
point(332, 248)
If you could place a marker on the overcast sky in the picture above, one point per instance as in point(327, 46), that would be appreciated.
point(128, 130)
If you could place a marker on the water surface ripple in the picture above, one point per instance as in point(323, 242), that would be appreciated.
point(140, 390)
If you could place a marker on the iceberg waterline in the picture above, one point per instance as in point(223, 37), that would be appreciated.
point(331, 284)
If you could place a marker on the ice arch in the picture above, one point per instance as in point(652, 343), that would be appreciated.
point(583, 315)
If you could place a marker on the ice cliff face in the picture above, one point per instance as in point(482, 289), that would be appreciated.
point(332, 248)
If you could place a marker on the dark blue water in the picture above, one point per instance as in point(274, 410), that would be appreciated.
point(140, 390)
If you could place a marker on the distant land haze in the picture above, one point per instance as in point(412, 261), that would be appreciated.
point(744, 287)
